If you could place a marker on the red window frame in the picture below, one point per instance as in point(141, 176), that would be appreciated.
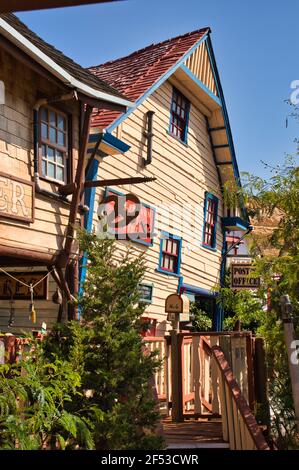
point(170, 256)
point(180, 107)
point(210, 221)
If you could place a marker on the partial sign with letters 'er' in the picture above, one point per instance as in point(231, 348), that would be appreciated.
point(242, 277)
point(16, 198)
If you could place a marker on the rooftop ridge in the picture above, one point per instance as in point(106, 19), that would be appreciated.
point(143, 49)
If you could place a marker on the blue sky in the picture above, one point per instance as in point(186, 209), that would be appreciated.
point(256, 47)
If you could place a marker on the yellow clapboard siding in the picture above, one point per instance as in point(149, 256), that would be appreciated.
point(200, 65)
point(183, 175)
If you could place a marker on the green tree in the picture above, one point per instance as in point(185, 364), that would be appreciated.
point(34, 399)
point(275, 202)
point(108, 350)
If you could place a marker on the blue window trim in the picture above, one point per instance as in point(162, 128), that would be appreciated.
point(185, 140)
point(147, 301)
point(165, 235)
point(140, 242)
point(210, 196)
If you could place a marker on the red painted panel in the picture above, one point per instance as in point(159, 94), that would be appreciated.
point(129, 218)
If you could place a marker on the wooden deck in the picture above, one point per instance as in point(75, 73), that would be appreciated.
point(193, 434)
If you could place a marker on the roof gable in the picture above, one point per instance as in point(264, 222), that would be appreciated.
point(137, 73)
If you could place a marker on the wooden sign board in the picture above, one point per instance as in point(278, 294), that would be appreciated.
point(129, 218)
point(16, 198)
point(11, 289)
point(241, 277)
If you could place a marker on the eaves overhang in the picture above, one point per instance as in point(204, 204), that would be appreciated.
point(56, 70)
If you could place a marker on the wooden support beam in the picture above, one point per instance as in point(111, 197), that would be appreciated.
point(79, 182)
point(216, 129)
point(67, 189)
point(101, 104)
point(27, 255)
point(55, 276)
point(222, 146)
point(118, 182)
point(224, 163)
point(64, 285)
point(94, 153)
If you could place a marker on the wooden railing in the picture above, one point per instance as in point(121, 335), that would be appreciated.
point(159, 344)
point(239, 426)
point(199, 382)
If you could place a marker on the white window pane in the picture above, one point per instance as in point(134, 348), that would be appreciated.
point(52, 135)
point(59, 173)
point(61, 138)
point(44, 131)
point(171, 264)
point(51, 154)
point(175, 248)
point(44, 115)
point(44, 168)
point(59, 157)
point(52, 119)
point(51, 170)
point(61, 122)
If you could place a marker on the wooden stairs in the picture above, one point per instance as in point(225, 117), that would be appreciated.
point(194, 434)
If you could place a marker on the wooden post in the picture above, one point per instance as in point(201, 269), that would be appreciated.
point(197, 375)
point(79, 183)
point(250, 371)
point(214, 378)
point(176, 376)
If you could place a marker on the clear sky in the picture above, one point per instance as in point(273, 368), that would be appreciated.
point(255, 42)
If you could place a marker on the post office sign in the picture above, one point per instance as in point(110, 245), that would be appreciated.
point(241, 277)
point(16, 198)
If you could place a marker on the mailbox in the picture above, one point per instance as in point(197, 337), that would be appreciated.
point(178, 307)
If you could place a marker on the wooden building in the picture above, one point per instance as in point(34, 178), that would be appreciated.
point(46, 105)
point(7, 6)
point(179, 133)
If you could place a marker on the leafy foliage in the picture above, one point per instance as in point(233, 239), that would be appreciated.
point(201, 321)
point(34, 398)
point(87, 385)
point(108, 350)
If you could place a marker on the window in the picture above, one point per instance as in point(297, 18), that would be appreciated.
point(53, 145)
point(170, 254)
point(210, 221)
point(146, 293)
point(179, 116)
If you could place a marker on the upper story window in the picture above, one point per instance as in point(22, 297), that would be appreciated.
point(53, 145)
point(179, 116)
point(170, 253)
point(210, 221)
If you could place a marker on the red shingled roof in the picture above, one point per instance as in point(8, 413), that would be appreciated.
point(134, 74)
